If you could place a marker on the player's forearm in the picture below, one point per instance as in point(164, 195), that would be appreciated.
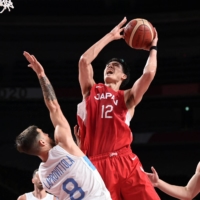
point(94, 50)
point(151, 64)
point(48, 91)
point(178, 192)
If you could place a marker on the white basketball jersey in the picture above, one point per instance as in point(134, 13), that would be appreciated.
point(30, 196)
point(70, 177)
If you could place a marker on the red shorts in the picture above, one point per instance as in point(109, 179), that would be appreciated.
point(124, 176)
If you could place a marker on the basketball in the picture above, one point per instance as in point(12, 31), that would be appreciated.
point(139, 33)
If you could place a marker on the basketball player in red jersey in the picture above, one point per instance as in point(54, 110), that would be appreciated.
point(104, 116)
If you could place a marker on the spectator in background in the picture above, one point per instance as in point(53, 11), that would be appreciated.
point(38, 192)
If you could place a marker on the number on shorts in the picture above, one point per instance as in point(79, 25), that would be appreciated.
point(74, 190)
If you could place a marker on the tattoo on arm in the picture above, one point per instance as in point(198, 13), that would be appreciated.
point(47, 89)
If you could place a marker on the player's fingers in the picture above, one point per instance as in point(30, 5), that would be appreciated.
point(153, 170)
point(34, 58)
point(28, 57)
point(25, 53)
point(156, 33)
point(76, 131)
point(148, 174)
point(121, 29)
point(122, 22)
point(75, 128)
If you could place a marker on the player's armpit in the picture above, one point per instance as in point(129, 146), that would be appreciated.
point(62, 134)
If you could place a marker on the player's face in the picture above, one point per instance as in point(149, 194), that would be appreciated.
point(46, 138)
point(113, 72)
point(36, 181)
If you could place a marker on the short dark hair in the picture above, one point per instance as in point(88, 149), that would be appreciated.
point(125, 68)
point(34, 173)
point(26, 142)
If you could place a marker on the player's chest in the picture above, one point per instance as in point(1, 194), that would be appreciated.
point(106, 98)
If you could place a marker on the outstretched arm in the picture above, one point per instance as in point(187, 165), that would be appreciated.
point(85, 68)
point(135, 94)
point(180, 192)
point(50, 99)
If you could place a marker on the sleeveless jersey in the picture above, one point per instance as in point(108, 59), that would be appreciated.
point(70, 177)
point(103, 120)
point(30, 196)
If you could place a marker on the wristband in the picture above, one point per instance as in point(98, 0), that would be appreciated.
point(153, 47)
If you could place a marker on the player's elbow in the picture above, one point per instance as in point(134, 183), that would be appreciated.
point(82, 62)
point(53, 107)
point(149, 75)
point(188, 197)
point(188, 194)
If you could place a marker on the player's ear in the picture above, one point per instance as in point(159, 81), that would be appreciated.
point(124, 76)
point(41, 142)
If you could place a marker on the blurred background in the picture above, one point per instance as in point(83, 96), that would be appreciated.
point(166, 125)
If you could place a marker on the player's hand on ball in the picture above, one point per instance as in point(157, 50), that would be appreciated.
point(154, 178)
point(34, 64)
point(155, 40)
point(116, 32)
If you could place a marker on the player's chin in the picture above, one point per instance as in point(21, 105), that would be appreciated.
point(40, 186)
point(109, 78)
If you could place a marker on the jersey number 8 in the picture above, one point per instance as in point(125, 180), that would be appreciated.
point(76, 189)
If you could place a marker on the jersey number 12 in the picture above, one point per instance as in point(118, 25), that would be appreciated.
point(106, 111)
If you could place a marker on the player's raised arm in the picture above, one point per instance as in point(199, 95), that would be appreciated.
point(50, 99)
point(85, 68)
point(135, 94)
point(180, 192)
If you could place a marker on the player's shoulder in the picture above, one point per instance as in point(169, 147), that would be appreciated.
point(22, 197)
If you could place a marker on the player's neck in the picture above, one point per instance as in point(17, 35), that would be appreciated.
point(114, 86)
point(44, 154)
point(39, 194)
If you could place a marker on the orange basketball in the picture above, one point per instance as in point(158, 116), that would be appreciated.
point(139, 33)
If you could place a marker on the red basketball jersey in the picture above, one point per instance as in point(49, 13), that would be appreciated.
point(103, 120)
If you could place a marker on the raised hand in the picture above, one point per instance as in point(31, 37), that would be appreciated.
point(34, 64)
point(155, 40)
point(153, 177)
point(116, 32)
